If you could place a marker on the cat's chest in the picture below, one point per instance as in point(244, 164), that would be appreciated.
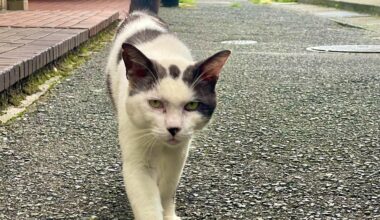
point(163, 160)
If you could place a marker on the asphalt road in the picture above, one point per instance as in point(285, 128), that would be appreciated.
point(296, 134)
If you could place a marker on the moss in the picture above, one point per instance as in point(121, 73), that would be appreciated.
point(16, 97)
point(187, 3)
point(235, 5)
point(285, 1)
point(270, 1)
point(61, 67)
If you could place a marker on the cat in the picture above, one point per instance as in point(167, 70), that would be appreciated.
point(161, 97)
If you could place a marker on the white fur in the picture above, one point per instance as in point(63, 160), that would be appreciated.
point(151, 165)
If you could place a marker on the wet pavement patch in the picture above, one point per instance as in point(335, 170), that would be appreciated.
point(347, 48)
point(239, 42)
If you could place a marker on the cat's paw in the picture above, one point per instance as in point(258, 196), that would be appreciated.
point(172, 217)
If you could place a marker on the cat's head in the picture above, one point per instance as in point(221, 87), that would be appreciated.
point(171, 101)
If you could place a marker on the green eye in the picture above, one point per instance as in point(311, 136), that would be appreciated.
point(191, 106)
point(156, 104)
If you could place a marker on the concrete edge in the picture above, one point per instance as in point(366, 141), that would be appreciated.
point(357, 7)
point(5, 74)
point(13, 112)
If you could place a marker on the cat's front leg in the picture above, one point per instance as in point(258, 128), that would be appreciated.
point(143, 193)
point(172, 217)
point(172, 167)
point(168, 200)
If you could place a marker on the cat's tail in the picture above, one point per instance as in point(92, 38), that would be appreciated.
point(144, 5)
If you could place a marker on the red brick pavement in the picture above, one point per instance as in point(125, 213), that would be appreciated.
point(58, 19)
point(25, 50)
point(31, 39)
point(122, 6)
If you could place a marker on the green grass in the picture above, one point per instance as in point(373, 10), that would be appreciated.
point(260, 1)
point(235, 5)
point(270, 1)
point(187, 3)
point(285, 1)
point(62, 67)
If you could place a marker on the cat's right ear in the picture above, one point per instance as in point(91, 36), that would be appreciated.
point(136, 63)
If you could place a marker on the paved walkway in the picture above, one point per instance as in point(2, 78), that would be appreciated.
point(31, 39)
point(354, 19)
point(295, 136)
point(364, 2)
point(364, 6)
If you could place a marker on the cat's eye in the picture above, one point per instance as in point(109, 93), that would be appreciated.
point(156, 103)
point(191, 106)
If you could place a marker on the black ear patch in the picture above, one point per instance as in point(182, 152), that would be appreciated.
point(202, 78)
point(141, 72)
point(204, 91)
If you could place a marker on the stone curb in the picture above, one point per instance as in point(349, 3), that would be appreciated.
point(357, 7)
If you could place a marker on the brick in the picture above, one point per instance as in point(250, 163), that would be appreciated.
point(9, 47)
point(2, 81)
point(32, 48)
point(30, 66)
point(50, 54)
point(6, 78)
point(36, 36)
point(38, 61)
point(34, 64)
point(43, 58)
point(14, 75)
point(55, 52)
point(22, 70)
point(43, 42)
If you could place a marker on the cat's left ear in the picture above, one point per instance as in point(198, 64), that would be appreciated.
point(209, 70)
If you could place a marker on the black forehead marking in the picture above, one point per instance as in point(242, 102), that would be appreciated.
point(174, 71)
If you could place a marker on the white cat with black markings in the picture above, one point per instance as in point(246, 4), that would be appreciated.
point(161, 96)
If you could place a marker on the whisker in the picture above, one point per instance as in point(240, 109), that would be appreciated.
point(142, 136)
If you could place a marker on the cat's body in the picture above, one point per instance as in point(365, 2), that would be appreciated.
point(161, 97)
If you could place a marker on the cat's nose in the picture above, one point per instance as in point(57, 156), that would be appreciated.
point(173, 131)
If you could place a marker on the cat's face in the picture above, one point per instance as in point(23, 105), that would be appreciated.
point(171, 102)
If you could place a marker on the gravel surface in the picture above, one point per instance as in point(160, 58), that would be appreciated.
point(296, 134)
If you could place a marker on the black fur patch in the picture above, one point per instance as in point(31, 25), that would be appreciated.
point(174, 71)
point(204, 90)
point(147, 83)
point(150, 5)
point(143, 36)
point(127, 20)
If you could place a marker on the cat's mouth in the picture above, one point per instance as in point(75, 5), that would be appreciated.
point(173, 141)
